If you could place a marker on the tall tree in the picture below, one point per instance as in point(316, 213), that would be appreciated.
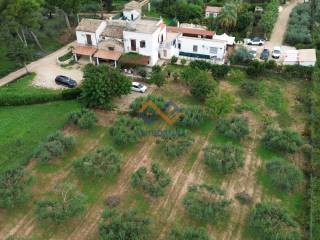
point(68, 7)
point(227, 19)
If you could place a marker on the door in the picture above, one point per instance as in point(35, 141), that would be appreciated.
point(89, 40)
point(133, 45)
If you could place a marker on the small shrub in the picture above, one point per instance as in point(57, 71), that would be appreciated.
point(202, 85)
point(100, 163)
point(175, 147)
point(206, 203)
point(282, 140)
point(271, 64)
point(143, 73)
point(249, 88)
point(116, 224)
point(55, 145)
point(153, 183)
point(126, 130)
point(224, 158)
point(189, 233)
point(236, 76)
point(283, 175)
point(66, 203)
point(243, 197)
point(233, 127)
point(158, 78)
point(192, 117)
point(219, 71)
point(174, 60)
point(219, 104)
point(271, 222)
point(14, 187)
point(112, 201)
point(183, 61)
point(83, 118)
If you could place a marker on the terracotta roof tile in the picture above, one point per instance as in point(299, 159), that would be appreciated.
point(191, 31)
point(213, 9)
point(84, 50)
point(111, 55)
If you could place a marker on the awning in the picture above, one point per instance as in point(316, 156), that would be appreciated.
point(84, 50)
point(109, 55)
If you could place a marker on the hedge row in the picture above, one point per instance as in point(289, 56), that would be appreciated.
point(315, 157)
point(28, 99)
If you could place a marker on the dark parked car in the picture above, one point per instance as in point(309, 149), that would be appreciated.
point(65, 81)
point(265, 54)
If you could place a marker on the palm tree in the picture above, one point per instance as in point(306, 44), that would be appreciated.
point(227, 19)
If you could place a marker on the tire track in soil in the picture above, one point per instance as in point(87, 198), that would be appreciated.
point(243, 180)
point(183, 181)
point(88, 228)
point(25, 226)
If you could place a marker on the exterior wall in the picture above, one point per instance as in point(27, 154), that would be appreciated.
point(131, 15)
point(307, 63)
point(95, 37)
point(152, 43)
point(204, 45)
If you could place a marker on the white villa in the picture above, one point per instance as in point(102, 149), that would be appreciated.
point(212, 11)
point(150, 38)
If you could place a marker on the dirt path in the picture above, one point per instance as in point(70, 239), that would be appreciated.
point(242, 180)
point(280, 27)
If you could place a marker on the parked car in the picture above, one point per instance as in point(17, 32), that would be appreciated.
point(65, 81)
point(253, 52)
point(138, 87)
point(256, 41)
point(276, 53)
point(265, 54)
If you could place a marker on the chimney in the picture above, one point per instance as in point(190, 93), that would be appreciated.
point(178, 24)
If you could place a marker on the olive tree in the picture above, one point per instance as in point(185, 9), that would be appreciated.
point(175, 146)
point(233, 127)
point(65, 203)
point(100, 163)
point(189, 233)
point(82, 118)
point(116, 224)
point(206, 202)
point(14, 187)
point(225, 158)
point(192, 117)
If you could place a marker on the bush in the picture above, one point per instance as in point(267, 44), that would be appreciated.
point(174, 60)
point(102, 162)
point(153, 183)
point(271, 222)
point(283, 175)
point(255, 68)
point(225, 158)
point(157, 77)
point(17, 99)
point(101, 84)
point(126, 130)
point(218, 71)
point(206, 203)
point(269, 17)
point(183, 62)
point(192, 117)
point(298, 71)
point(219, 104)
point(241, 56)
point(202, 85)
point(176, 146)
point(243, 197)
point(249, 88)
point(236, 76)
point(136, 105)
point(83, 118)
point(65, 203)
point(233, 127)
point(116, 224)
point(189, 233)
point(14, 187)
point(55, 145)
point(282, 140)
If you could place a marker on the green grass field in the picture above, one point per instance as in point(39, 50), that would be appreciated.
point(24, 127)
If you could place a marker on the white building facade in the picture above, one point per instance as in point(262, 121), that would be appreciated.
point(89, 31)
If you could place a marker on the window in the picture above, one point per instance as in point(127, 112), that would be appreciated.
point(213, 50)
point(142, 44)
point(195, 48)
point(179, 45)
point(111, 48)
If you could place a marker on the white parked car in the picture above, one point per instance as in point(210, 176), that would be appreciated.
point(253, 52)
point(276, 53)
point(256, 41)
point(138, 87)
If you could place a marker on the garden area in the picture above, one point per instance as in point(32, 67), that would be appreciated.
point(232, 166)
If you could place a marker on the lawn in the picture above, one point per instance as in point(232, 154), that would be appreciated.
point(24, 127)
